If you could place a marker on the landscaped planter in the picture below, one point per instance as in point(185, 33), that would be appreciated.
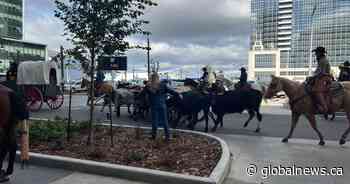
point(188, 158)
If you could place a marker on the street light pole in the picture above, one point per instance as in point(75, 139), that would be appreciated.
point(311, 39)
point(62, 67)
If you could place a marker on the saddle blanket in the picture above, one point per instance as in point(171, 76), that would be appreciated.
point(337, 89)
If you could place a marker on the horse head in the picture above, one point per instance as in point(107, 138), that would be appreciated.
point(274, 87)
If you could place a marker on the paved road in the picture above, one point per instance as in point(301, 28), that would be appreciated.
point(276, 121)
point(264, 154)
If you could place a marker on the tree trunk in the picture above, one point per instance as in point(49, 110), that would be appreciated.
point(92, 94)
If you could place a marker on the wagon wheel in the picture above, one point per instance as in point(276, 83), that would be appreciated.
point(34, 98)
point(55, 102)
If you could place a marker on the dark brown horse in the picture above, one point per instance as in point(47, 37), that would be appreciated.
point(12, 109)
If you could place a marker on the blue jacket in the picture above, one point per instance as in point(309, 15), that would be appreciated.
point(100, 77)
point(158, 98)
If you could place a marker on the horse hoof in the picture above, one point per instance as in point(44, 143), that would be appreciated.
point(245, 125)
point(342, 142)
point(285, 140)
point(257, 130)
point(321, 143)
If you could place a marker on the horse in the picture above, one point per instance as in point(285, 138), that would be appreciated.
point(105, 89)
point(12, 110)
point(301, 103)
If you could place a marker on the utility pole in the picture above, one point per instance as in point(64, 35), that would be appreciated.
point(148, 56)
point(62, 67)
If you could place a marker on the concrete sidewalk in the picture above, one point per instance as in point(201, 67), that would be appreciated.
point(261, 154)
point(254, 154)
point(43, 175)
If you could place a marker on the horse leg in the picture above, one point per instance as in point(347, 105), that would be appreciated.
point(129, 110)
point(218, 120)
point(342, 141)
point(295, 119)
point(103, 107)
point(312, 121)
point(259, 117)
point(12, 157)
point(118, 111)
point(3, 152)
point(207, 120)
point(333, 117)
point(251, 116)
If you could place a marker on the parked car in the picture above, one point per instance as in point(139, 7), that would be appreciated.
point(76, 86)
point(2, 77)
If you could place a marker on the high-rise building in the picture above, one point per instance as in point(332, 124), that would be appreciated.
point(301, 25)
point(12, 46)
point(11, 19)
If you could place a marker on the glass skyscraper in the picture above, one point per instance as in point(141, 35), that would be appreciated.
point(330, 26)
point(11, 19)
point(289, 26)
point(12, 46)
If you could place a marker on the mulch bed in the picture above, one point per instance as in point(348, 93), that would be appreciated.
point(185, 153)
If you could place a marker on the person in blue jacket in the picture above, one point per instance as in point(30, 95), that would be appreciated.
point(158, 92)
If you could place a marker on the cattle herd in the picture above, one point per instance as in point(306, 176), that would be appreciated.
point(194, 106)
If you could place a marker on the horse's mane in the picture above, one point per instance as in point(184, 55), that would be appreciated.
point(296, 83)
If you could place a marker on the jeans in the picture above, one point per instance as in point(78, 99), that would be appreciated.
point(159, 116)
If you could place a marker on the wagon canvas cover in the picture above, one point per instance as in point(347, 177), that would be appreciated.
point(36, 73)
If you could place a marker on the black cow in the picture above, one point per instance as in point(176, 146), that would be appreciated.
point(192, 103)
point(236, 102)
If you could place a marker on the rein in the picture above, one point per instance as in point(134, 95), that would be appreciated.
point(292, 102)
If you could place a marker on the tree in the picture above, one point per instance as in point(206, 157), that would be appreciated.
point(101, 26)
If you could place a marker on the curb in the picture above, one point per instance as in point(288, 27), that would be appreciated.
point(217, 176)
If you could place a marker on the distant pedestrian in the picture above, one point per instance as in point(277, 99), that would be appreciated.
point(157, 93)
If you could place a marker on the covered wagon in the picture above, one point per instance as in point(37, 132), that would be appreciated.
point(39, 81)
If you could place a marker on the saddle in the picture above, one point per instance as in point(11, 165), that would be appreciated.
point(244, 87)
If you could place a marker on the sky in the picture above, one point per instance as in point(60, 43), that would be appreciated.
point(186, 34)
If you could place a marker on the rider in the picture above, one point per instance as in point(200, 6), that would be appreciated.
point(11, 74)
point(243, 78)
point(323, 69)
point(220, 82)
point(205, 75)
point(204, 80)
point(344, 71)
point(100, 77)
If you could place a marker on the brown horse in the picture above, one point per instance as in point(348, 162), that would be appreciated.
point(301, 103)
point(12, 109)
point(103, 89)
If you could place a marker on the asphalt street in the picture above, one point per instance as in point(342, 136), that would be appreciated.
point(276, 121)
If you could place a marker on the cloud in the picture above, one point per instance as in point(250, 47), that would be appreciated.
point(185, 34)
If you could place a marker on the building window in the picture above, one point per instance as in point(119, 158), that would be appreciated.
point(265, 61)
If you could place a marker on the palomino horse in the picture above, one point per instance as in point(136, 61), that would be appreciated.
point(301, 103)
point(12, 109)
